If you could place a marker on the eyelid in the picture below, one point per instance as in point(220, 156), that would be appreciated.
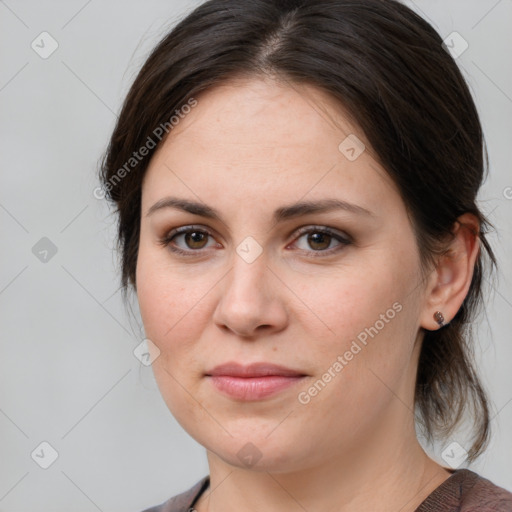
point(167, 238)
point(322, 229)
point(343, 238)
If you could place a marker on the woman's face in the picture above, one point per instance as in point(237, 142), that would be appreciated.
point(335, 294)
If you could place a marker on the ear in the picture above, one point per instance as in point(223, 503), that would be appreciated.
point(450, 281)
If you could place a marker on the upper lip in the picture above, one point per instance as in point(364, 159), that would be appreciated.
point(234, 369)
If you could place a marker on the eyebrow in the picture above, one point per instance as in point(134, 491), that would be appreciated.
point(281, 214)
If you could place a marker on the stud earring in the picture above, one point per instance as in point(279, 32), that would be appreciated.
point(439, 318)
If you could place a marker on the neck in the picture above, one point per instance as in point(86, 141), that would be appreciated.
point(387, 471)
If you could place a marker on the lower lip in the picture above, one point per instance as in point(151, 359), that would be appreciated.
point(252, 388)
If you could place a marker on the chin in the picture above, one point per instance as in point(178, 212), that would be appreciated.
point(256, 450)
point(251, 457)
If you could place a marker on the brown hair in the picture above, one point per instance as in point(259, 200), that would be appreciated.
point(388, 68)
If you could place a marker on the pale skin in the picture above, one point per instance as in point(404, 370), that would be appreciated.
point(247, 149)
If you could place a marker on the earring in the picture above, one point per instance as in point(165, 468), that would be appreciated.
point(439, 318)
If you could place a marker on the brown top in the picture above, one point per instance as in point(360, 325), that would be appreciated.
point(463, 491)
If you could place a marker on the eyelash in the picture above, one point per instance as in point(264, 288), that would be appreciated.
point(344, 240)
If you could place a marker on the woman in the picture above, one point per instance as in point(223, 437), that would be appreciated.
point(296, 186)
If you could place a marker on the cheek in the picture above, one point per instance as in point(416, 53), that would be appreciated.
point(368, 320)
point(168, 299)
point(166, 293)
point(344, 304)
point(173, 315)
point(167, 308)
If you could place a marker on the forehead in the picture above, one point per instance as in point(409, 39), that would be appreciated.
point(263, 113)
point(264, 139)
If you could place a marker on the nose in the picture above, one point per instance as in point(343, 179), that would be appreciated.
point(252, 301)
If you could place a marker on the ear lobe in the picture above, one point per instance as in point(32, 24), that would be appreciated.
point(453, 273)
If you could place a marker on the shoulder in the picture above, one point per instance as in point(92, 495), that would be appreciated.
point(182, 502)
point(485, 496)
point(466, 491)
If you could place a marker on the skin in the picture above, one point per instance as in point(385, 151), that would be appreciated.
point(246, 149)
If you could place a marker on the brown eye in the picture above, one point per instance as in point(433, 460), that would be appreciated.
point(196, 239)
point(319, 241)
point(188, 240)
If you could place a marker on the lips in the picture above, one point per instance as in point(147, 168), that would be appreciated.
point(233, 369)
point(253, 382)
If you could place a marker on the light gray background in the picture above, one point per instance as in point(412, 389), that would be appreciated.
point(68, 375)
